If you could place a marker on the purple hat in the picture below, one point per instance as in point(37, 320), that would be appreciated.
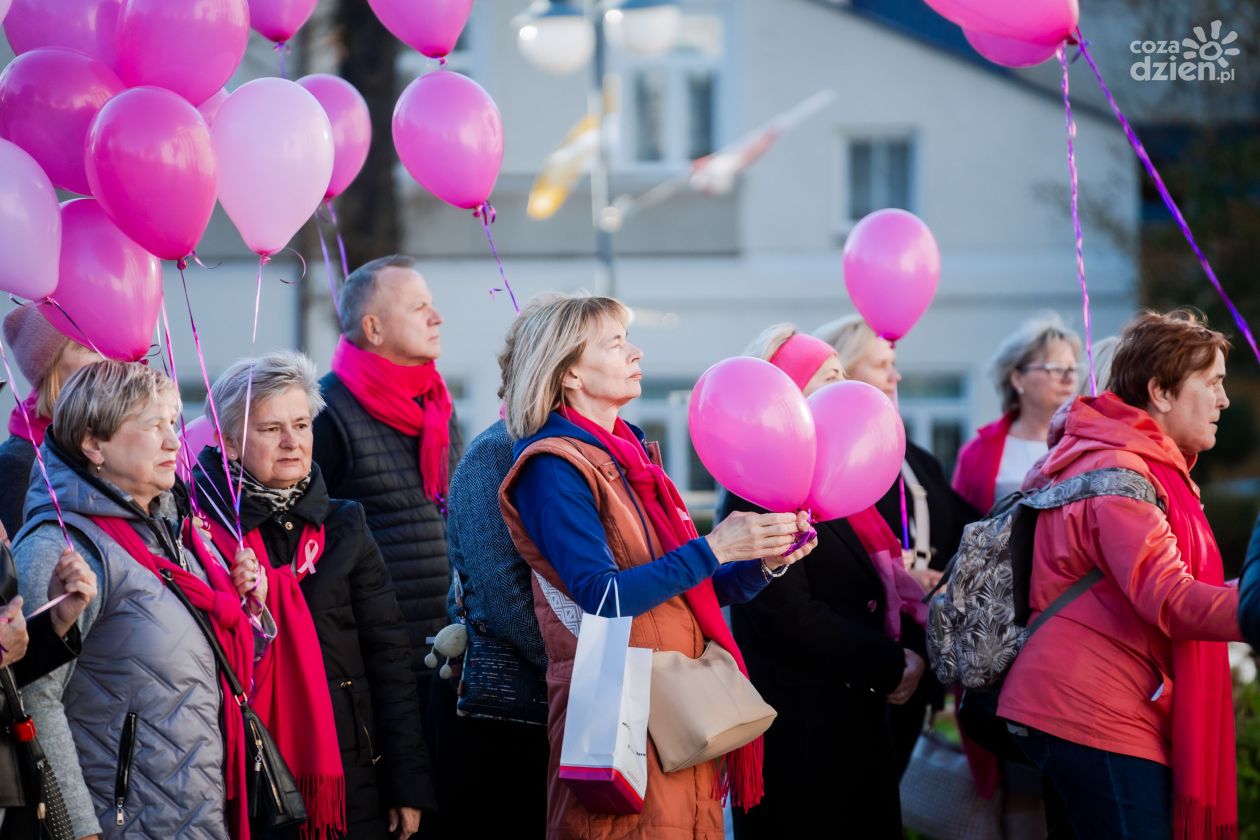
point(35, 342)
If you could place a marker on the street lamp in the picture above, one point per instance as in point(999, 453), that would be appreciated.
point(559, 37)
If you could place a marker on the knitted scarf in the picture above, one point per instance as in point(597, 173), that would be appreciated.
point(388, 392)
point(26, 423)
point(741, 774)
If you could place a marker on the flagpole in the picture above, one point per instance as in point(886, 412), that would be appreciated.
point(605, 277)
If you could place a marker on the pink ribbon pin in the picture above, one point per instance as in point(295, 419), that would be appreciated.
point(312, 552)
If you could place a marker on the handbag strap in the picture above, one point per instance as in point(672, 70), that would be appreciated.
point(238, 693)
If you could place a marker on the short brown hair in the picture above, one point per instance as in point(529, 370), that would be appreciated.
point(99, 397)
point(1165, 347)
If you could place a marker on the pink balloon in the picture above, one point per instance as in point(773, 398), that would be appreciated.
point(150, 163)
point(191, 48)
point(48, 98)
point(351, 127)
point(89, 26)
point(109, 290)
point(1041, 21)
point(1009, 52)
point(197, 436)
point(449, 135)
point(277, 20)
point(210, 107)
point(4, 9)
point(753, 431)
point(30, 225)
point(431, 27)
point(275, 150)
point(861, 444)
point(891, 268)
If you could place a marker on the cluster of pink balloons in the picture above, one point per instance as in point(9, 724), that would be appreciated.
point(1013, 34)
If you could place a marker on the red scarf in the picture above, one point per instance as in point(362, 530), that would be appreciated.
point(673, 526)
point(222, 605)
point(1204, 761)
point(388, 392)
point(901, 591)
point(25, 421)
point(290, 684)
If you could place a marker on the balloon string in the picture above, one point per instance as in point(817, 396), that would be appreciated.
point(281, 49)
point(1076, 220)
point(168, 362)
point(901, 479)
point(80, 333)
point(328, 267)
point(341, 245)
point(1145, 158)
point(486, 213)
point(262, 260)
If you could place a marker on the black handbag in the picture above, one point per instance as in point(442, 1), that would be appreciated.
point(497, 683)
point(43, 813)
point(274, 799)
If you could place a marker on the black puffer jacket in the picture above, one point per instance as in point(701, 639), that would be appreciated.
point(365, 648)
point(17, 458)
point(379, 467)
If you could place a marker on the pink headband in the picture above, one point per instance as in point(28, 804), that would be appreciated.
point(801, 356)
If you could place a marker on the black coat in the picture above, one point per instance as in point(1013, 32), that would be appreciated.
point(17, 457)
point(365, 649)
point(816, 649)
point(949, 512)
point(378, 466)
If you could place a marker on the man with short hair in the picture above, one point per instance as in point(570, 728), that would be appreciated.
point(389, 440)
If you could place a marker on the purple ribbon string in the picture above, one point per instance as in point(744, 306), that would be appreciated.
point(282, 49)
point(486, 213)
point(341, 244)
point(80, 336)
point(1076, 220)
point(332, 280)
point(901, 479)
point(1169, 203)
point(168, 362)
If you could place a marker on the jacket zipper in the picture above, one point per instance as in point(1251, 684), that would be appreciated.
point(354, 707)
point(126, 748)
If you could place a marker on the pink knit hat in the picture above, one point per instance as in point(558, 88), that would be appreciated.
point(35, 342)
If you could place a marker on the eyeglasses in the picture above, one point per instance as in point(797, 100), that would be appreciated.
point(1065, 373)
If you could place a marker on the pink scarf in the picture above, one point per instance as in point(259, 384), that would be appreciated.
point(902, 592)
point(388, 392)
point(26, 423)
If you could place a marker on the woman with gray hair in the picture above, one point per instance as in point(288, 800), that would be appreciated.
point(335, 687)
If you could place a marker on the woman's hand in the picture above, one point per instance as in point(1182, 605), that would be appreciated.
point(909, 678)
point(72, 575)
point(13, 636)
point(751, 536)
point(248, 576)
point(927, 578)
point(802, 527)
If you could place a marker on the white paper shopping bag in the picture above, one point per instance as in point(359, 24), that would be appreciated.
point(603, 758)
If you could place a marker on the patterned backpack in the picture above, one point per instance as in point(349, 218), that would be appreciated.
point(978, 624)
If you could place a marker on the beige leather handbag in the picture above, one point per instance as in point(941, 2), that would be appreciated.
point(702, 708)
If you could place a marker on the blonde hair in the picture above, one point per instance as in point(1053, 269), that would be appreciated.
point(769, 340)
point(99, 397)
point(851, 336)
point(50, 386)
point(549, 339)
point(1030, 340)
point(1104, 352)
point(258, 380)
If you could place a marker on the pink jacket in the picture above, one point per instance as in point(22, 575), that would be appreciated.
point(1098, 674)
point(979, 461)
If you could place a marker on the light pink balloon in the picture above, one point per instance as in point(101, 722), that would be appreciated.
point(448, 133)
point(753, 431)
point(275, 150)
point(1041, 21)
point(30, 226)
point(431, 27)
point(197, 435)
point(89, 26)
point(109, 290)
point(150, 163)
point(1009, 52)
point(277, 20)
point(351, 127)
point(211, 106)
point(891, 269)
point(191, 48)
point(861, 444)
point(4, 9)
point(48, 98)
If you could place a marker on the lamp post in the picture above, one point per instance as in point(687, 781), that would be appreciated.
point(559, 37)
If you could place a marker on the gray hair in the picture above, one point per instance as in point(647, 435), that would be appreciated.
point(1022, 347)
point(1104, 352)
point(769, 340)
point(357, 290)
point(261, 379)
point(851, 336)
point(549, 340)
point(99, 397)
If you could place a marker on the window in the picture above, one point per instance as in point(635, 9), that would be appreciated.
point(934, 408)
point(880, 174)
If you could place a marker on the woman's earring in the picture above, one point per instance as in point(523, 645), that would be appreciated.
point(1019, 390)
point(100, 467)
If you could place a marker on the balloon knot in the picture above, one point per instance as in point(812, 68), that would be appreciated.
point(442, 62)
point(181, 263)
point(485, 211)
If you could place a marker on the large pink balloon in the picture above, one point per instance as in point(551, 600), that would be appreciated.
point(449, 135)
point(753, 431)
point(430, 27)
point(351, 127)
point(196, 436)
point(1041, 21)
point(30, 226)
point(4, 9)
point(150, 163)
point(48, 98)
point(89, 26)
point(861, 444)
point(189, 47)
point(277, 20)
point(1009, 52)
point(275, 150)
point(210, 107)
point(891, 268)
point(110, 288)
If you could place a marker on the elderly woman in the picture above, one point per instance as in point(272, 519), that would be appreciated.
point(830, 646)
point(1124, 697)
point(1035, 370)
point(138, 730)
point(47, 360)
point(587, 504)
point(335, 687)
